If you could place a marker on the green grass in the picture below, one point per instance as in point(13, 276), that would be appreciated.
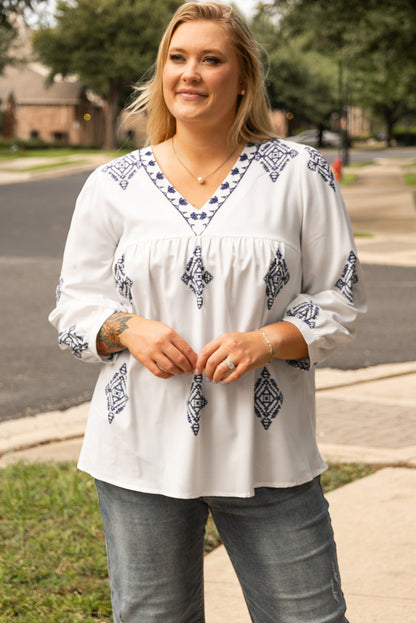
point(6, 154)
point(348, 178)
point(362, 234)
point(43, 167)
point(410, 179)
point(52, 556)
point(361, 163)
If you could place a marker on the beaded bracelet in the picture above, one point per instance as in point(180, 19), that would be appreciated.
point(268, 342)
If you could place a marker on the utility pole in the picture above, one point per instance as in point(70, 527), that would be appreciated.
point(343, 96)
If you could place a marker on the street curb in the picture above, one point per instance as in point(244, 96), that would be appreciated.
point(44, 428)
point(382, 457)
point(333, 378)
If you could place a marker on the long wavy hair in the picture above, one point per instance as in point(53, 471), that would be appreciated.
point(252, 121)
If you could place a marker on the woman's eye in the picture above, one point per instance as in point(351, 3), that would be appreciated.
point(175, 58)
point(212, 60)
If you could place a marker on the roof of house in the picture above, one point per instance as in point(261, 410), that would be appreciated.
point(28, 84)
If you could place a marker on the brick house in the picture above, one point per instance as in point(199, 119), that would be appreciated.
point(60, 112)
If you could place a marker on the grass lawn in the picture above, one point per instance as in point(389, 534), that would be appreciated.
point(347, 179)
point(6, 154)
point(410, 179)
point(41, 167)
point(52, 558)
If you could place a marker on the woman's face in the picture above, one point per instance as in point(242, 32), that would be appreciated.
point(201, 77)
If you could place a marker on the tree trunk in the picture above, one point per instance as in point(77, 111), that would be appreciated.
point(320, 135)
point(111, 113)
point(390, 120)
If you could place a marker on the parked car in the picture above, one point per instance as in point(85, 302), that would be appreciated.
point(311, 137)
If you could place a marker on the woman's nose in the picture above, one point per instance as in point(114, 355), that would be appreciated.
point(191, 70)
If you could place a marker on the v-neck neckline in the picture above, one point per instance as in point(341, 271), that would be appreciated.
point(198, 219)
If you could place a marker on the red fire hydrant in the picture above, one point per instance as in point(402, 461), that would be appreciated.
point(337, 168)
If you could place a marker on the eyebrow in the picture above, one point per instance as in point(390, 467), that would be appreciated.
point(207, 51)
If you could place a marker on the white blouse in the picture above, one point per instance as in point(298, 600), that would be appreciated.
point(273, 243)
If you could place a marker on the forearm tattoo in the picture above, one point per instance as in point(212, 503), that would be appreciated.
point(108, 337)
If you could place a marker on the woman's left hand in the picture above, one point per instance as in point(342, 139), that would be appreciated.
point(245, 351)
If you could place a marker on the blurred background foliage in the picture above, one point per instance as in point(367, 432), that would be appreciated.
point(321, 56)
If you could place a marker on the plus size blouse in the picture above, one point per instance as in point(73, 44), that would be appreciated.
point(273, 243)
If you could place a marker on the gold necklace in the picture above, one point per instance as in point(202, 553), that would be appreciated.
point(200, 179)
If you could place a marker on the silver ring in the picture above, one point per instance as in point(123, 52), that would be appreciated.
point(230, 364)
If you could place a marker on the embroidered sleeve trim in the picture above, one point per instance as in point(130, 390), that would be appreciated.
point(318, 164)
point(123, 283)
point(348, 278)
point(307, 312)
point(302, 364)
point(73, 340)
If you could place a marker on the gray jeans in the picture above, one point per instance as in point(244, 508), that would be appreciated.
point(280, 542)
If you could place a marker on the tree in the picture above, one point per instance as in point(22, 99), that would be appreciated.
point(301, 82)
point(374, 40)
point(15, 7)
point(10, 11)
point(109, 44)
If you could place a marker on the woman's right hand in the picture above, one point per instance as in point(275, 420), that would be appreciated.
point(154, 344)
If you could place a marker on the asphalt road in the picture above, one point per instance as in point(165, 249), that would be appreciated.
point(368, 155)
point(35, 376)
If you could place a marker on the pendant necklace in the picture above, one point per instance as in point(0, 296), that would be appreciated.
point(200, 179)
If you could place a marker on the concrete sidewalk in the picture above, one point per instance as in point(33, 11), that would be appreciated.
point(366, 415)
point(29, 168)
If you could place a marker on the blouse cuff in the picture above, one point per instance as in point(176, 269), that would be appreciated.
point(310, 338)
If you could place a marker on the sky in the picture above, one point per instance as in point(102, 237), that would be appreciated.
point(246, 6)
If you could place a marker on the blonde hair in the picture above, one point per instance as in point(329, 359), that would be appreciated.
point(252, 121)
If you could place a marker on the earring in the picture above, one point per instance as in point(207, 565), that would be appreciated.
point(242, 92)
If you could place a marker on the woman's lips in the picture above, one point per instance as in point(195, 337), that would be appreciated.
point(190, 95)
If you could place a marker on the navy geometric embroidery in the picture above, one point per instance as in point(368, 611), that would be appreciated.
point(268, 399)
point(196, 277)
point(123, 283)
point(308, 312)
point(348, 278)
point(123, 169)
point(319, 164)
point(72, 340)
point(195, 403)
point(59, 290)
point(276, 278)
point(198, 220)
point(116, 393)
point(301, 364)
point(274, 156)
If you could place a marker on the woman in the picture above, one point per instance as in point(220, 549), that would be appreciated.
point(210, 273)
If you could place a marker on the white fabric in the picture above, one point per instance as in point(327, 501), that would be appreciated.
point(136, 245)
